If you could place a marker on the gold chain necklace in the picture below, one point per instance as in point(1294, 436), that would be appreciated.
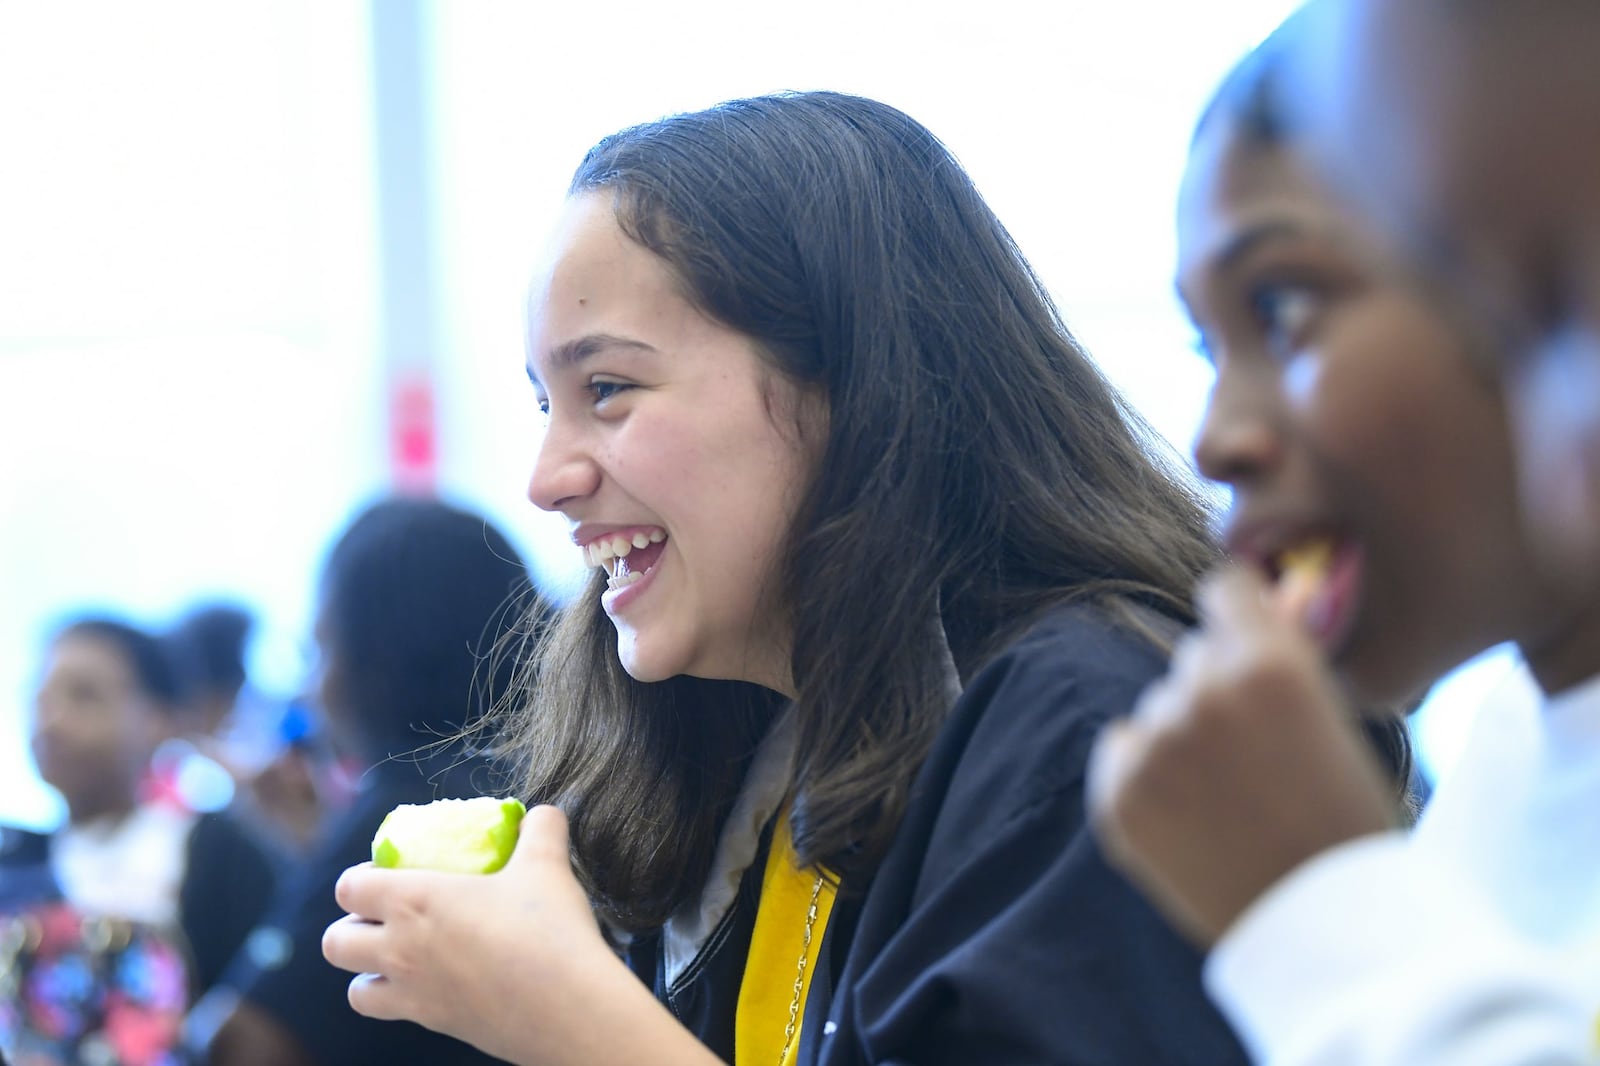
point(800, 974)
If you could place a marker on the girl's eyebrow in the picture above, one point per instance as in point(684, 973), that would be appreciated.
point(1252, 237)
point(571, 353)
point(1239, 246)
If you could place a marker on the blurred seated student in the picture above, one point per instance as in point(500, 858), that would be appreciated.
point(304, 784)
point(81, 988)
point(198, 767)
point(107, 698)
point(133, 906)
point(418, 604)
point(1357, 406)
point(209, 644)
point(268, 756)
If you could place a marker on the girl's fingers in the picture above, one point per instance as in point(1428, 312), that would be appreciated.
point(1233, 599)
point(375, 996)
point(1112, 787)
point(377, 894)
point(1190, 658)
point(543, 838)
point(360, 891)
point(355, 944)
point(1292, 597)
point(1109, 762)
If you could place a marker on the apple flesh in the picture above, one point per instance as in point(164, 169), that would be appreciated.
point(464, 836)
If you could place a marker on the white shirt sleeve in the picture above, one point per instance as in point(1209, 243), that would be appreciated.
point(1373, 954)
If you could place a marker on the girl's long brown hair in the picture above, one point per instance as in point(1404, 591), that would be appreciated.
point(977, 470)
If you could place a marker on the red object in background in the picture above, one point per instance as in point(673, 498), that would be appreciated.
point(413, 435)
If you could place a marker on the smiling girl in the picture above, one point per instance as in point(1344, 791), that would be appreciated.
point(877, 552)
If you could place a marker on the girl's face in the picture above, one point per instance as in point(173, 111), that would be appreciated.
point(93, 730)
point(675, 452)
point(1468, 129)
point(1345, 411)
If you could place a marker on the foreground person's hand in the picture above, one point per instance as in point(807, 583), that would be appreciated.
point(1236, 768)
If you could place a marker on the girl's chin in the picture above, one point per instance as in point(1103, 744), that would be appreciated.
point(639, 671)
point(639, 665)
point(1379, 686)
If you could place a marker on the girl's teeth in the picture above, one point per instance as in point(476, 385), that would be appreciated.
point(624, 581)
point(599, 553)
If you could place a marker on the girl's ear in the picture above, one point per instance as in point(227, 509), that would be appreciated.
point(801, 411)
point(812, 419)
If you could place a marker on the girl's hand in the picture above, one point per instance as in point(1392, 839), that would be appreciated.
point(512, 962)
point(1236, 768)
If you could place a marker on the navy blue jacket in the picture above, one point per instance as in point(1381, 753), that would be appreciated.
point(993, 931)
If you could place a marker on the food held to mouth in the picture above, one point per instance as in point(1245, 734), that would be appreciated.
point(1301, 575)
point(1318, 589)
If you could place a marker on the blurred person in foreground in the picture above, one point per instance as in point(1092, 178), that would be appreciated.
point(1471, 133)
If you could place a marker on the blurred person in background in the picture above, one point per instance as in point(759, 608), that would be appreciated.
point(209, 644)
point(420, 609)
point(108, 696)
point(306, 783)
point(268, 755)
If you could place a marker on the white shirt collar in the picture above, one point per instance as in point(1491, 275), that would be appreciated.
point(686, 932)
point(131, 867)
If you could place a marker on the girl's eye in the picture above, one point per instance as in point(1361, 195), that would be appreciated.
point(544, 405)
point(1285, 314)
point(603, 390)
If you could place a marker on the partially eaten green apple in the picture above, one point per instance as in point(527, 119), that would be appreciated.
point(464, 836)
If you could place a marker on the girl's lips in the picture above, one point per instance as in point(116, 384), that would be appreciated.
point(1331, 613)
